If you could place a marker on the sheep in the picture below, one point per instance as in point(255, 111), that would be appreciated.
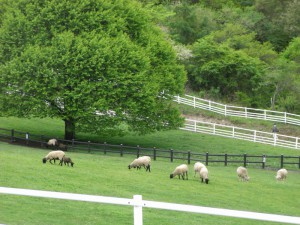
point(68, 160)
point(52, 143)
point(204, 174)
point(53, 155)
point(141, 161)
point(181, 170)
point(197, 167)
point(242, 173)
point(281, 174)
point(62, 147)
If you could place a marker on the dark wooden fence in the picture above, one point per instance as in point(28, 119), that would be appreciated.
point(263, 161)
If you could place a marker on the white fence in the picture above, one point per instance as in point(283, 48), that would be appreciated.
point(241, 133)
point(228, 110)
point(137, 203)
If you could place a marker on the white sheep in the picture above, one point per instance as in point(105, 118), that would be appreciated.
point(144, 161)
point(197, 167)
point(281, 174)
point(204, 174)
point(53, 155)
point(181, 170)
point(52, 143)
point(242, 173)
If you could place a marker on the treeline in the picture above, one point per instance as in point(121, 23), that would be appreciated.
point(240, 51)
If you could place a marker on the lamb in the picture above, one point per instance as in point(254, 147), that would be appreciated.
point(53, 155)
point(281, 174)
point(242, 173)
point(52, 143)
point(141, 161)
point(197, 167)
point(181, 170)
point(68, 160)
point(204, 174)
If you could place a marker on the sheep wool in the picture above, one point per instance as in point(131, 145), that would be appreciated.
point(197, 167)
point(181, 171)
point(52, 143)
point(204, 175)
point(68, 160)
point(281, 174)
point(144, 161)
point(242, 173)
point(53, 155)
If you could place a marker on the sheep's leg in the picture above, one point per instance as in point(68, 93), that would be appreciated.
point(50, 161)
point(61, 162)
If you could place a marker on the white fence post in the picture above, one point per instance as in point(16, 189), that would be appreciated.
point(138, 210)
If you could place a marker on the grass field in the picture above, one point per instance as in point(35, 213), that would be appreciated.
point(108, 175)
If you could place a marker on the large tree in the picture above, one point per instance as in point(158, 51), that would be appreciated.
point(95, 64)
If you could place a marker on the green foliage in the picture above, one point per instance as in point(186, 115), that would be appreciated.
point(108, 175)
point(219, 66)
point(191, 22)
point(71, 60)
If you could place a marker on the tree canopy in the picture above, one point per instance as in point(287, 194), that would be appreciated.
point(96, 64)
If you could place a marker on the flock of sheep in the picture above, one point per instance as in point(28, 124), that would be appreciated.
point(199, 168)
point(57, 154)
point(145, 161)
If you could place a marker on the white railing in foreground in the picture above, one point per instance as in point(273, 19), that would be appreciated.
point(138, 205)
point(241, 133)
point(228, 110)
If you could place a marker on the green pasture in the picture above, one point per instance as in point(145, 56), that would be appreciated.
point(108, 175)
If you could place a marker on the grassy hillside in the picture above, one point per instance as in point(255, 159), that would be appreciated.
point(107, 175)
point(176, 139)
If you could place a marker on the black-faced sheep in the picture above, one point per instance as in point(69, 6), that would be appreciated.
point(242, 173)
point(181, 170)
point(141, 161)
point(197, 167)
point(53, 155)
point(68, 160)
point(281, 174)
point(204, 174)
point(52, 143)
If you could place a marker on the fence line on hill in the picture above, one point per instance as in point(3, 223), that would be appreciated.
point(138, 204)
point(241, 133)
point(229, 110)
point(263, 161)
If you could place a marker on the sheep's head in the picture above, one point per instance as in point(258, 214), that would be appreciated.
point(44, 160)
point(72, 164)
point(206, 180)
point(171, 175)
point(129, 167)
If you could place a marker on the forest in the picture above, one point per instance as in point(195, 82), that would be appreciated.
point(246, 52)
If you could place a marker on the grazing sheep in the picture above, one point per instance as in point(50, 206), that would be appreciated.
point(53, 155)
point(204, 174)
point(197, 167)
point(181, 170)
point(52, 143)
point(62, 147)
point(242, 173)
point(68, 160)
point(139, 162)
point(281, 174)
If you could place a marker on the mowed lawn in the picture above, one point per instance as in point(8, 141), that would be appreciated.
point(108, 175)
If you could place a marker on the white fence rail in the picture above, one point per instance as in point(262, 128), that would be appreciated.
point(241, 133)
point(138, 205)
point(228, 110)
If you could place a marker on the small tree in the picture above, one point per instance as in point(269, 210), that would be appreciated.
point(95, 64)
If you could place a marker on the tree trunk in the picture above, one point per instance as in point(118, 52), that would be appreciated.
point(69, 129)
